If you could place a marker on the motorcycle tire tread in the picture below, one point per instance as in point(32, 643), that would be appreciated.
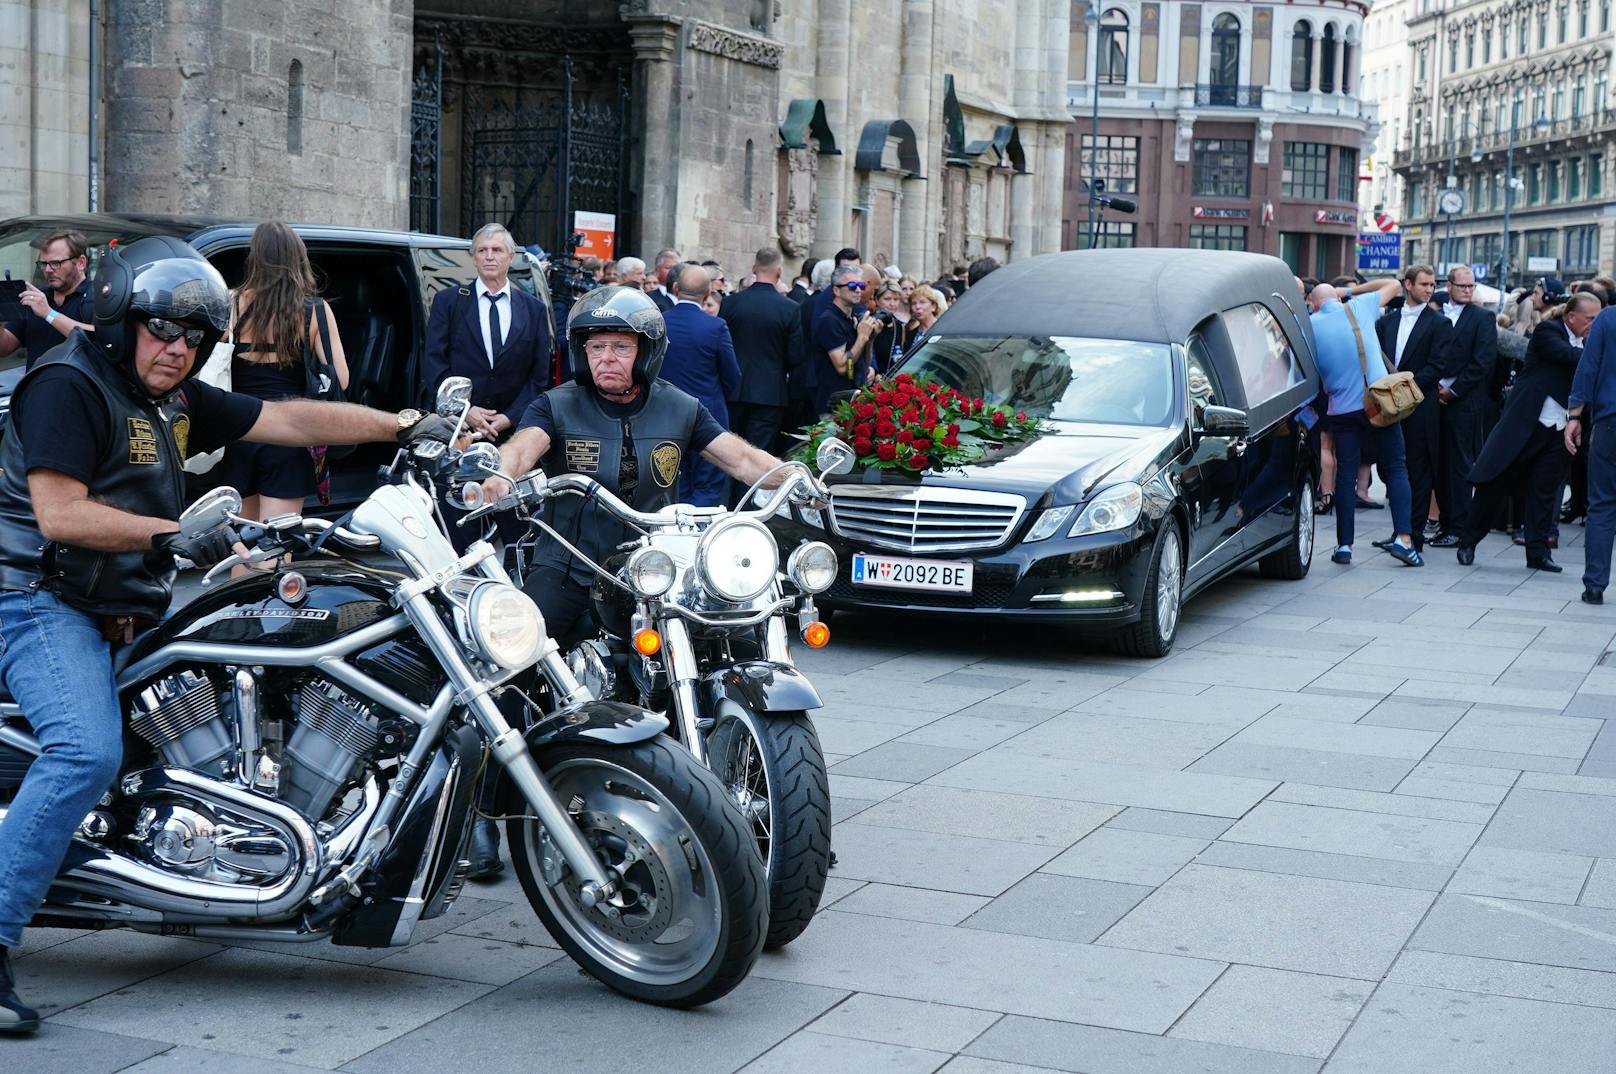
point(798, 885)
point(696, 793)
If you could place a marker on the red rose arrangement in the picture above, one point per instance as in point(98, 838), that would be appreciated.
point(905, 423)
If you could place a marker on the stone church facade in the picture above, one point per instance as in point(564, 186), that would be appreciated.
point(925, 132)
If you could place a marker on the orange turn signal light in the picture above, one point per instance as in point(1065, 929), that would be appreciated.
point(647, 642)
point(816, 634)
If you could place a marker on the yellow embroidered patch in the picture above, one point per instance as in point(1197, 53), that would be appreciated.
point(665, 462)
point(142, 442)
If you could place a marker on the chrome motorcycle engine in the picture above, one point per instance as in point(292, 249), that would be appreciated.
point(333, 735)
point(181, 717)
point(192, 839)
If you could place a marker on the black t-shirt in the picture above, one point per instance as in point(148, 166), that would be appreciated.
point(64, 424)
point(38, 336)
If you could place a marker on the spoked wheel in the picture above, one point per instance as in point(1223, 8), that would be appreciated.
point(1292, 562)
point(774, 771)
point(689, 916)
point(1163, 598)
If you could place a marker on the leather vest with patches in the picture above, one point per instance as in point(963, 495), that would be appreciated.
point(590, 441)
point(141, 471)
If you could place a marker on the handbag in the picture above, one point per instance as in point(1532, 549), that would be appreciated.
point(1393, 397)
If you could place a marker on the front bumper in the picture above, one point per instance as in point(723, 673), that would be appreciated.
point(1096, 580)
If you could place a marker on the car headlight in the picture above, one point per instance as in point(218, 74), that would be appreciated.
point(812, 567)
point(1116, 508)
point(737, 559)
point(1050, 522)
point(650, 571)
point(505, 625)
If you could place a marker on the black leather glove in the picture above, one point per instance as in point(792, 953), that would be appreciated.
point(204, 550)
point(432, 427)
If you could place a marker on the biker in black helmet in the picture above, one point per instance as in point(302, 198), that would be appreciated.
point(626, 429)
point(91, 487)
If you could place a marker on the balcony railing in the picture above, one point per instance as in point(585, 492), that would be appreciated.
point(1493, 141)
point(1217, 95)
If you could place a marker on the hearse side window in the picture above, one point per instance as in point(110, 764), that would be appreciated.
point(1266, 360)
point(1200, 374)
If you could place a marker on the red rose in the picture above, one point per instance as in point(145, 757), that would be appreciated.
point(998, 419)
point(883, 397)
point(905, 378)
point(862, 446)
point(1021, 415)
point(905, 436)
point(911, 416)
point(976, 406)
point(886, 452)
point(866, 410)
point(929, 424)
point(951, 441)
point(885, 430)
point(953, 428)
point(917, 461)
point(884, 413)
point(864, 430)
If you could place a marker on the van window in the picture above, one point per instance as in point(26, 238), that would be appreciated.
point(1263, 354)
point(1201, 376)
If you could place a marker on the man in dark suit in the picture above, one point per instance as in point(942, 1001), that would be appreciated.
point(1462, 393)
point(767, 331)
point(1415, 336)
point(802, 289)
point(493, 332)
point(662, 295)
point(701, 362)
point(1525, 454)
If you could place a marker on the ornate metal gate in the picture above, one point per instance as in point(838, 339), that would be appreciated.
point(426, 145)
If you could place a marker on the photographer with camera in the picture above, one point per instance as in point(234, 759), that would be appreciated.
point(51, 315)
point(841, 338)
point(886, 350)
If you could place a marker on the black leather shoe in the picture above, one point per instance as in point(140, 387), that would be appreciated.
point(1466, 554)
point(1545, 564)
point(1593, 596)
point(1571, 514)
point(485, 863)
point(14, 1016)
point(1444, 540)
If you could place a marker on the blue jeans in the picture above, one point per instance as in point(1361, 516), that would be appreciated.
point(59, 669)
point(1351, 430)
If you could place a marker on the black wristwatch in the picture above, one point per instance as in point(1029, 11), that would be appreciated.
point(1573, 417)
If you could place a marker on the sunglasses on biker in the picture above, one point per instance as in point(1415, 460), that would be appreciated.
point(169, 331)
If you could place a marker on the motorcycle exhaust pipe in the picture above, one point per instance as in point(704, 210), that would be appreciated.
point(126, 880)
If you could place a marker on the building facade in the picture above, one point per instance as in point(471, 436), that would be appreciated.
point(1385, 83)
point(1509, 155)
point(925, 132)
point(1234, 126)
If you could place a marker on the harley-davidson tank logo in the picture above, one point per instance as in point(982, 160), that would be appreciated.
point(583, 456)
point(315, 614)
point(665, 462)
point(142, 442)
point(181, 427)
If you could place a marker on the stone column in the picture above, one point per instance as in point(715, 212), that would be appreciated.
point(656, 96)
point(44, 117)
point(833, 70)
point(921, 202)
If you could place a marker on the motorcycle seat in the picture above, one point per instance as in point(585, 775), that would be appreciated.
point(122, 657)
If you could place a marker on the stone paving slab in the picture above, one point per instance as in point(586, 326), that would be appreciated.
point(1275, 1011)
point(906, 1022)
point(1091, 1050)
point(1355, 832)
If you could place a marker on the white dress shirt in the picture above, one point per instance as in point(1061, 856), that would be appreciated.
point(1452, 311)
point(484, 303)
point(1553, 414)
point(1405, 328)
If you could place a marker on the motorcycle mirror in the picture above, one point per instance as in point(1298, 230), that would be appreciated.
point(479, 460)
point(210, 511)
point(834, 457)
point(453, 395)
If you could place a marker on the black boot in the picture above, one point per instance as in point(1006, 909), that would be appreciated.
point(14, 1016)
point(485, 863)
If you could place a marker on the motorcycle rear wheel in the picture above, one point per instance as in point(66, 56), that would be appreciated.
point(691, 917)
point(774, 771)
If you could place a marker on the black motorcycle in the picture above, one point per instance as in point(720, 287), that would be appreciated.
point(304, 742)
point(692, 622)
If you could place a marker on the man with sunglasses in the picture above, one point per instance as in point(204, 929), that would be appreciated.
point(52, 314)
point(91, 487)
point(842, 336)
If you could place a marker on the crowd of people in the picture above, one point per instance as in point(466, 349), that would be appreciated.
point(1494, 444)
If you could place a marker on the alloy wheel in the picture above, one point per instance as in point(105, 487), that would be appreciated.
point(1304, 524)
point(1169, 584)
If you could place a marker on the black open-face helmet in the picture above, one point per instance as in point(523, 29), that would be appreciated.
point(617, 309)
point(158, 276)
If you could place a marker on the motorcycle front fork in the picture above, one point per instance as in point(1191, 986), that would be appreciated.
point(684, 676)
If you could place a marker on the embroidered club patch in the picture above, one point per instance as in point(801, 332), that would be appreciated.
point(142, 442)
point(665, 462)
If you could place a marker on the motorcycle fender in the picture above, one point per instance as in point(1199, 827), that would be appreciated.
point(602, 721)
point(763, 686)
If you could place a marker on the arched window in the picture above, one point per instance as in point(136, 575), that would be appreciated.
point(1302, 56)
point(1347, 85)
point(294, 109)
point(1226, 51)
point(1114, 47)
point(1327, 61)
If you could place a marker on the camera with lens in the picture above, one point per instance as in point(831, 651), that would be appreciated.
point(884, 317)
point(568, 282)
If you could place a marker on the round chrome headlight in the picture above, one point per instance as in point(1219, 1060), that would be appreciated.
point(812, 567)
point(650, 571)
point(505, 625)
point(737, 559)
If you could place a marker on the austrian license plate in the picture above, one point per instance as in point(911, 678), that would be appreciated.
point(895, 572)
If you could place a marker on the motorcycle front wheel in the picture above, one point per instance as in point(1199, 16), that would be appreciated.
point(689, 918)
point(774, 771)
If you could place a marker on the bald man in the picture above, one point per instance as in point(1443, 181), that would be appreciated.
point(701, 361)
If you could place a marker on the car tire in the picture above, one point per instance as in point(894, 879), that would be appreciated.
point(1162, 604)
point(1291, 563)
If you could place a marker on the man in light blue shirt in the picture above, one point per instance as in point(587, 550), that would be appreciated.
point(1342, 367)
point(1592, 419)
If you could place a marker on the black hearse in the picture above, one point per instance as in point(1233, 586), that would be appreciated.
point(1172, 383)
point(380, 285)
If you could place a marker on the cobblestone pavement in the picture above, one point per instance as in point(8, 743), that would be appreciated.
point(1364, 822)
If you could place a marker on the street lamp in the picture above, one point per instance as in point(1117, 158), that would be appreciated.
point(1541, 125)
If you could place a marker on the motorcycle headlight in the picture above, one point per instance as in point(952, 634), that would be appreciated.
point(1116, 508)
point(650, 571)
point(737, 559)
point(812, 567)
point(505, 625)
